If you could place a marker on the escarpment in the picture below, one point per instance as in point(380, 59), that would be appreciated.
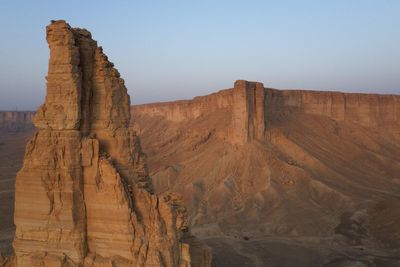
point(84, 196)
point(256, 164)
point(252, 108)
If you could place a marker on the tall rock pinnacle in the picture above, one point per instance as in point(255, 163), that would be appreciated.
point(83, 195)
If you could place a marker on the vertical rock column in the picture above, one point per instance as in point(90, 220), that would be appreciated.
point(83, 195)
point(248, 118)
point(49, 207)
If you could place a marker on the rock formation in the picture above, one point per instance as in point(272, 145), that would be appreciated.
point(23, 117)
point(251, 107)
point(282, 177)
point(16, 121)
point(83, 195)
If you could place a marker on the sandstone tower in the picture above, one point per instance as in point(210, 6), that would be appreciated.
point(83, 195)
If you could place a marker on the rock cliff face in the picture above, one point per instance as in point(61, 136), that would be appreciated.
point(267, 171)
point(252, 108)
point(83, 195)
point(368, 110)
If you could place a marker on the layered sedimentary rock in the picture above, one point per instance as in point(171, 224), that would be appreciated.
point(83, 195)
point(266, 171)
point(248, 111)
point(252, 107)
point(368, 110)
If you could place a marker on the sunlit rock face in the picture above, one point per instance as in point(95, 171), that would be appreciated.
point(83, 195)
point(260, 167)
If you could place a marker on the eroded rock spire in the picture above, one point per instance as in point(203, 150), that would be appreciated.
point(84, 196)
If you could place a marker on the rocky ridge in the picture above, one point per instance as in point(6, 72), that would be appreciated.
point(265, 171)
point(83, 195)
point(252, 106)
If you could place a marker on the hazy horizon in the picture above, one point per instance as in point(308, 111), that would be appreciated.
point(178, 50)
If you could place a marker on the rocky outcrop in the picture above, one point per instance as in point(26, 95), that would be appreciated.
point(244, 104)
point(248, 111)
point(83, 195)
point(368, 110)
point(256, 164)
point(252, 108)
point(182, 110)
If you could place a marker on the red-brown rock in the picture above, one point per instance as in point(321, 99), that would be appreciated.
point(83, 195)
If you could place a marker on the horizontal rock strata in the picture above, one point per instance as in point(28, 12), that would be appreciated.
point(83, 195)
point(252, 107)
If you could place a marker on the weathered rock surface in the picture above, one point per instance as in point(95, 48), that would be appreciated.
point(282, 177)
point(315, 184)
point(251, 107)
point(83, 195)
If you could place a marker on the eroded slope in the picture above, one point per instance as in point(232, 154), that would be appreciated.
point(322, 166)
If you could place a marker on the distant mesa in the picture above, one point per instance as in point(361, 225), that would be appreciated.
point(16, 121)
point(252, 107)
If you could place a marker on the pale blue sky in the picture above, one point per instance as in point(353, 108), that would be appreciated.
point(167, 50)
